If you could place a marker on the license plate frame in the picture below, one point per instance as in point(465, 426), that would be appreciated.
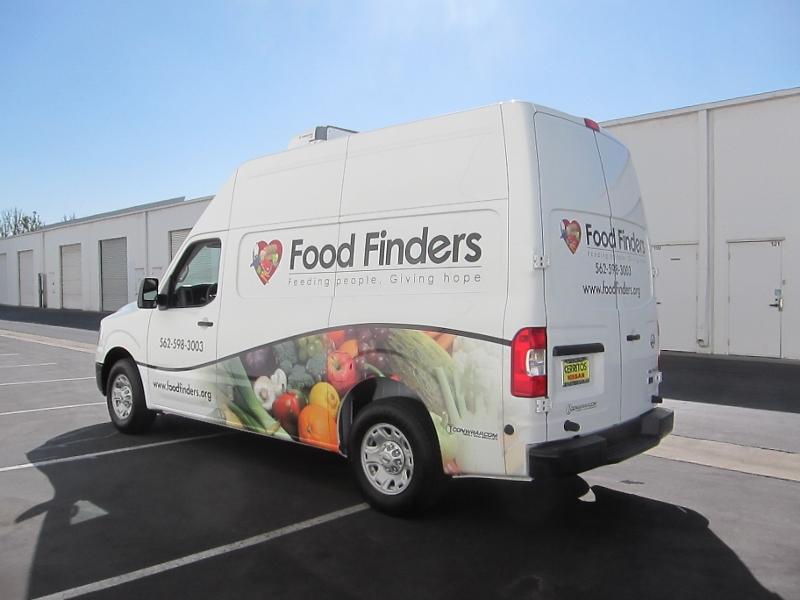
point(578, 374)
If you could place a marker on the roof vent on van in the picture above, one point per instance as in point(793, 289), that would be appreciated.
point(319, 134)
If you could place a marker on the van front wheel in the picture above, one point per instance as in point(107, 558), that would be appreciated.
point(125, 399)
point(395, 457)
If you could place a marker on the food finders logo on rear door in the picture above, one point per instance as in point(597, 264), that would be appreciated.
point(601, 238)
point(571, 234)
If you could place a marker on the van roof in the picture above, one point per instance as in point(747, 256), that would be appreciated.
point(221, 207)
point(536, 108)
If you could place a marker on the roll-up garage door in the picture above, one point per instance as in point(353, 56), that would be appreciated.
point(175, 240)
point(27, 281)
point(71, 276)
point(3, 280)
point(114, 273)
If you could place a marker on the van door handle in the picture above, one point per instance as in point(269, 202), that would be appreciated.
point(578, 349)
point(632, 337)
point(205, 323)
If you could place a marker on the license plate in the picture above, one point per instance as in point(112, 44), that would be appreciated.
point(575, 371)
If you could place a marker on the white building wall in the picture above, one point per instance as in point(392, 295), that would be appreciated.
point(160, 223)
point(147, 235)
point(666, 153)
point(719, 174)
point(756, 175)
point(11, 247)
point(89, 235)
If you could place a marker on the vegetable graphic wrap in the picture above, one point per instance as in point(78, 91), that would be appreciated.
point(294, 388)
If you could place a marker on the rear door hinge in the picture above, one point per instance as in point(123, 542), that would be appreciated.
point(544, 405)
point(541, 261)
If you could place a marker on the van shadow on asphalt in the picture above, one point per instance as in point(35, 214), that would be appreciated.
point(489, 539)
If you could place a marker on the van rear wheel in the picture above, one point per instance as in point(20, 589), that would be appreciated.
point(395, 457)
point(125, 398)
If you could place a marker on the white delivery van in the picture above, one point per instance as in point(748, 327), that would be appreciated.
point(469, 295)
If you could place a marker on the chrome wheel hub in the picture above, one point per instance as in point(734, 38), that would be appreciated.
point(387, 459)
point(122, 396)
point(391, 457)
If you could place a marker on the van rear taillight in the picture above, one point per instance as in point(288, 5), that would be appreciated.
point(529, 363)
point(591, 124)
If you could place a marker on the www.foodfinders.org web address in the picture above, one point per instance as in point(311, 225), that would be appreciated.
point(182, 388)
point(602, 289)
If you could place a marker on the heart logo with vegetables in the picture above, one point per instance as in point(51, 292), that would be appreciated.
point(571, 234)
point(266, 258)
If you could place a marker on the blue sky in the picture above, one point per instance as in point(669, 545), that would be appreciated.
point(106, 104)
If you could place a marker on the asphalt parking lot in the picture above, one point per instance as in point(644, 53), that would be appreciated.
point(198, 511)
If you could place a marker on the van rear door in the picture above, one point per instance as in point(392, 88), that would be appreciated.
point(635, 300)
point(582, 318)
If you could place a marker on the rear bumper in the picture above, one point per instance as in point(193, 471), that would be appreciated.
point(612, 445)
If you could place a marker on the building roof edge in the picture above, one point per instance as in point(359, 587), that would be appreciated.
point(784, 93)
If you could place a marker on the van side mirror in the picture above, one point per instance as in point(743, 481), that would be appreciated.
point(148, 293)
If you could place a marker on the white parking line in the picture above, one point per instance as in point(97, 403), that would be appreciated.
point(105, 584)
point(30, 410)
point(55, 461)
point(10, 354)
point(48, 341)
point(732, 457)
point(46, 381)
point(30, 365)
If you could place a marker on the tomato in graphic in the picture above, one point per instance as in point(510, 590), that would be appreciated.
point(286, 409)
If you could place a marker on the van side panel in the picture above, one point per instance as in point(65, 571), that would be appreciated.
point(297, 185)
point(282, 203)
point(433, 259)
point(453, 159)
point(525, 302)
point(284, 210)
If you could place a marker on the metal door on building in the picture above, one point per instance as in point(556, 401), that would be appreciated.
point(71, 291)
point(176, 238)
point(676, 292)
point(27, 279)
point(3, 280)
point(755, 302)
point(113, 273)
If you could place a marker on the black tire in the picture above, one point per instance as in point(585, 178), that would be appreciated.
point(423, 483)
point(139, 418)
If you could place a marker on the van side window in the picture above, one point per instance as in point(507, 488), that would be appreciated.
point(194, 281)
